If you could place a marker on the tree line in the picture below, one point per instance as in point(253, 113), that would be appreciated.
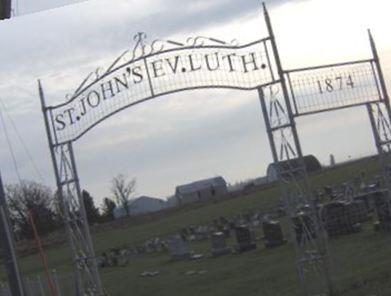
point(29, 198)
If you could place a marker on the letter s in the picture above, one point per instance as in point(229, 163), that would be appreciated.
point(137, 76)
point(60, 123)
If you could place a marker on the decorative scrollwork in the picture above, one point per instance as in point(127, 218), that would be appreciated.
point(98, 73)
point(142, 49)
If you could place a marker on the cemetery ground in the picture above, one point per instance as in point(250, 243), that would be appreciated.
point(361, 261)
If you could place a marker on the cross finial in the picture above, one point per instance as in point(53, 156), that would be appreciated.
point(139, 38)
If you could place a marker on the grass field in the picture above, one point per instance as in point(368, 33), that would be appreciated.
point(361, 262)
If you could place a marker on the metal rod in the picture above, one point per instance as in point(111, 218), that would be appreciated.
point(329, 65)
point(95, 272)
point(42, 254)
point(374, 129)
point(293, 93)
point(268, 60)
point(380, 73)
point(268, 126)
point(56, 282)
point(335, 108)
point(149, 77)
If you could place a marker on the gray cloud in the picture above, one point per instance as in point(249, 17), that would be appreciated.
point(164, 142)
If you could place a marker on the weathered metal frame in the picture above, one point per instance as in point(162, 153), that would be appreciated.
point(294, 183)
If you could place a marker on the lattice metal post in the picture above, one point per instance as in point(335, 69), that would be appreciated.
point(312, 257)
point(73, 210)
point(380, 118)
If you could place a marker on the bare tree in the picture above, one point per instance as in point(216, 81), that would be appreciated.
point(31, 197)
point(123, 190)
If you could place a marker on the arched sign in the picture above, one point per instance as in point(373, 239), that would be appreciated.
point(162, 68)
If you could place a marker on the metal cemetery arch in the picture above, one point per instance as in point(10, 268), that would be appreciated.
point(146, 72)
point(164, 67)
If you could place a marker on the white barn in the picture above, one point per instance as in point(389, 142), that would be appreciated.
point(202, 190)
point(140, 205)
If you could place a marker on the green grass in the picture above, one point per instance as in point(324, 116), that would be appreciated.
point(360, 261)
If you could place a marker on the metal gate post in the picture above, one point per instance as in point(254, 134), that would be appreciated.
point(72, 206)
point(294, 183)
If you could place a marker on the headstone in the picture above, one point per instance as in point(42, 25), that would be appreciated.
point(179, 248)
point(102, 261)
point(329, 192)
point(219, 246)
point(280, 212)
point(273, 236)
point(245, 238)
point(359, 212)
point(114, 256)
point(223, 221)
point(185, 232)
point(339, 218)
point(383, 211)
point(227, 232)
point(369, 197)
point(201, 233)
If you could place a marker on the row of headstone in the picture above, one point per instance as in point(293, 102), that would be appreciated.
point(245, 241)
point(338, 218)
point(342, 217)
point(115, 257)
point(227, 226)
point(377, 201)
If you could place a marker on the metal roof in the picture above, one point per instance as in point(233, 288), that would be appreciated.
point(200, 185)
point(311, 162)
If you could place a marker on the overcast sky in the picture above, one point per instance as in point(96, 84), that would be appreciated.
point(190, 135)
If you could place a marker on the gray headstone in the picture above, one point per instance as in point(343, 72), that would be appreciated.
point(273, 235)
point(179, 248)
point(383, 211)
point(219, 246)
point(245, 238)
point(339, 218)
